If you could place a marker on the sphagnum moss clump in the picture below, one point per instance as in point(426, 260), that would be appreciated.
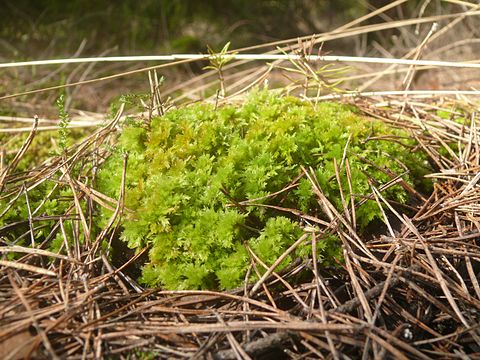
point(188, 172)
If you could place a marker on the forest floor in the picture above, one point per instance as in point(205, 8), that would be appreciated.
point(410, 291)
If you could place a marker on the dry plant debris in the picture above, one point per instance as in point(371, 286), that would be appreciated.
point(411, 292)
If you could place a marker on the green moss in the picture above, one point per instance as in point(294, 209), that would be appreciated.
point(13, 201)
point(189, 171)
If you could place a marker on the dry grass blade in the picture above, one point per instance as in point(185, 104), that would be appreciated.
point(276, 263)
point(26, 267)
point(27, 250)
point(13, 164)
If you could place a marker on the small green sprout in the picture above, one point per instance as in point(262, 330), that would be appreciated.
point(63, 123)
point(218, 61)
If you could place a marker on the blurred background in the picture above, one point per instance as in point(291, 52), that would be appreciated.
point(46, 29)
point(159, 26)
